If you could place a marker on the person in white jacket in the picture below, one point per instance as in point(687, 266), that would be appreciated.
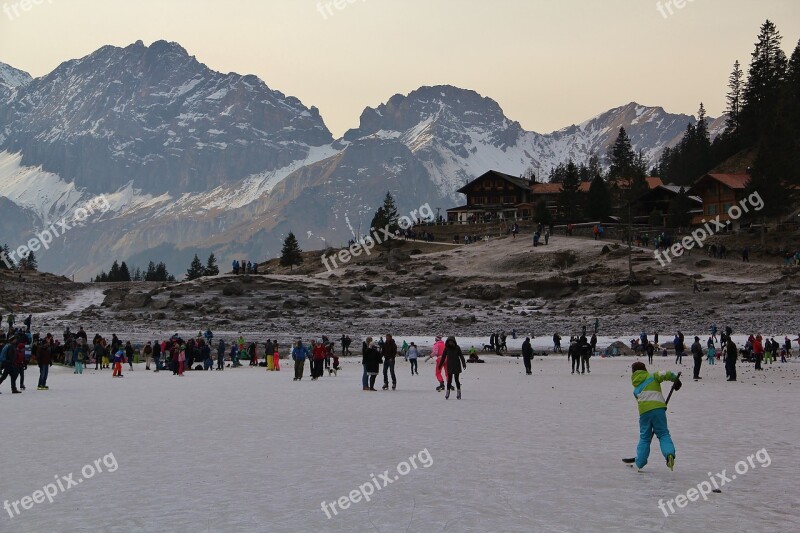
point(412, 354)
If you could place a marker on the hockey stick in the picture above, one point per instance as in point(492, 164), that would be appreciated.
point(672, 389)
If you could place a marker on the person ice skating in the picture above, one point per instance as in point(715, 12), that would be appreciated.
point(585, 350)
point(652, 413)
point(574, 354)
point(27, 323)
point(436, 352)
point(556, 343)
point(371, 359)
point(527, 355)
point(299, 354)
point(711, 352)
point(80, 357)
point(713, 330)
point(268, 351)
point(389, 354)
point(44, 359)
point(758, 351)
point(276, 356)
point(649, 349)
point(318, 359)
point(697, 354)
point(453, 359)
point(221, 355)
point(181, 360)
point(12, 357)
point(119, 358)
point(148, 352)
point(412, 354)
point(731, 354)
point(678, 344)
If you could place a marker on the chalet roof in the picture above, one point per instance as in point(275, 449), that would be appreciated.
point(736, 182)
point(732, 181)
point(555, 188)
point(673, 189)
point(522, 183)
point(652, 182)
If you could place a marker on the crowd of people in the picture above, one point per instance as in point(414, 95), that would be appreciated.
point(19, 347)
point(244, 267)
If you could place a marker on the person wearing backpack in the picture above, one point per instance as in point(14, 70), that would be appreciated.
point(80, 357)
point(10, 361)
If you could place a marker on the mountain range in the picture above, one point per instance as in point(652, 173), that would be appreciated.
point(191, 160)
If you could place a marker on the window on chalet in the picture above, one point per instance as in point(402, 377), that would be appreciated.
point(711, 209)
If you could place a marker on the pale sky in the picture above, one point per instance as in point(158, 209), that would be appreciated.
point(548, 63)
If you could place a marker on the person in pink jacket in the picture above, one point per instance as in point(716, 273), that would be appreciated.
point(437, 351)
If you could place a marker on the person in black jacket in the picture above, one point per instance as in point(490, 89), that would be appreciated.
point(389, 353)
point(574, 353)
point(454, 359)
point(527, 355)
point(730, 360)
point(697, 354)
point(372, 362)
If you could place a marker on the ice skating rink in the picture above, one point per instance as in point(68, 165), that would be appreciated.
point(250, 450)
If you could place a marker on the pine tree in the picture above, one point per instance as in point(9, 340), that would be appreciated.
point(113, 274)
point(385, 218)
point(569, 197)
point(542, 215)
point(195, 269)
point(211, 268)
point(162, 274)
point(124, 273)
point(621, 157)
point(765, 78)
point(30, 262)
point(679, 207)
point(137, 275)
point(734, 98)
point(291, 254)
point(598, 201)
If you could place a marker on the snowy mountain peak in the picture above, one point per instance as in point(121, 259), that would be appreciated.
point(11, 78)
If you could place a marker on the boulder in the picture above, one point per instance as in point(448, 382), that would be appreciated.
point(135, 300)
point(233, 289)
point(628, 296)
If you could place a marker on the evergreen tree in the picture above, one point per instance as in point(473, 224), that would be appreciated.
point(124, 273)
point(569, 197)
point(291, 254)
point(386, 217)
point(621, 157)
point(195, 269)
point(161, 273)
point(211, 268)
point(598, 201)
point(734, 99)
point(137, 275)
point(765, 78)
point(30, 262)
point(113, 274)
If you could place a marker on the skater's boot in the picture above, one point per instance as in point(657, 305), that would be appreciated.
point(447, 395)
point(671, 462)
point(394, 386)
point(441, 386)
point(458, 394)
point(452, 388)
point(385, 386)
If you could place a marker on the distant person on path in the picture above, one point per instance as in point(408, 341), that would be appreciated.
point(453, 358)
point(697, 354)
point(221, 355)
point(527, 355)
point(652, 413)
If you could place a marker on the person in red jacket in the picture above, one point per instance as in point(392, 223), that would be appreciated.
point(758, 351)
point(318, 358)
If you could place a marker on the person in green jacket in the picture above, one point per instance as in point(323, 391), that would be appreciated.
point(652, 413)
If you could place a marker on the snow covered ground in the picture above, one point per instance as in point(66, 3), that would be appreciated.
point(248, 450)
